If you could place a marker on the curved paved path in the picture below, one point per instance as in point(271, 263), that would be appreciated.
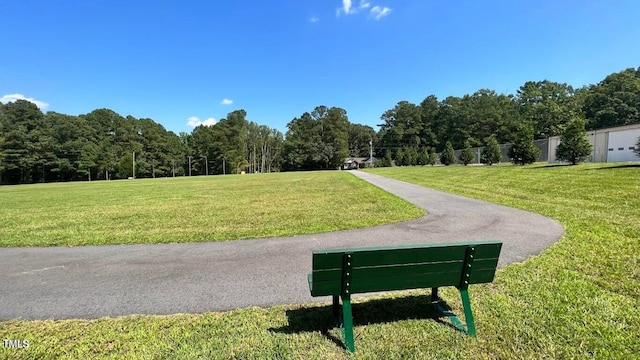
point(97, 281)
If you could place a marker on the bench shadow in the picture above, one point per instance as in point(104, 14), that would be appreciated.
point(615, 167)
point(550, 166)
point(321, 319)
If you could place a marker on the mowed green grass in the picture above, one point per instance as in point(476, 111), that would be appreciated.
point(212, 208)
point(577, 300)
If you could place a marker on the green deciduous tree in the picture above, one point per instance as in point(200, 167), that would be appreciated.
point(614, 101)
point(466, 155)
point(448, 155)
point(359, 137)
point(317, 140)
point(574, 145)
point(491, 153)
point(523, 151)
point(547, 105)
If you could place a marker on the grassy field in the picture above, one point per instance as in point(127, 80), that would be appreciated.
point(577, 300)
point(213, 208)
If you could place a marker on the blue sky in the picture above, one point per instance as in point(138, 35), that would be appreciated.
point(175, 61)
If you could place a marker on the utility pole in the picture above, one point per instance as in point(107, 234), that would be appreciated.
point(370, 152)
point(223, 169)
point(134, 165)
point(206, 164)
point(189, 165)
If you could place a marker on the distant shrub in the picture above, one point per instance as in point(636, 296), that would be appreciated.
point(466, 156)
point(433, 156)
point(448, 156)
point(574, 145)
point(491, 153)
point(523, 151)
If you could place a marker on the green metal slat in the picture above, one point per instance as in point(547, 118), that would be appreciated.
point(333, 287)
point(488, 251)
point(405, 282)
point(400, 247)
point(482, 276)
point(332, 259)
point(403, 269)
point(322, 288)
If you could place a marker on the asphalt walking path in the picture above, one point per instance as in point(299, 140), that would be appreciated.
point(98, 281)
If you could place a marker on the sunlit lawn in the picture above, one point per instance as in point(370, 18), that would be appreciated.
point(212, 208)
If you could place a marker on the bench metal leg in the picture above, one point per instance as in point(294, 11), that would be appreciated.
point(434, 295)
point(336, 307)
point(347, 329)
point(468, 315)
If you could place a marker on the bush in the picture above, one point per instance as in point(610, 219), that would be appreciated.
point(410, 156)
point(574, 145)
point(524, 151)
point(466, 156)
point(491, 153)
point(433, 156)
point(423, 156)
point(400, 157)
point(448, 156)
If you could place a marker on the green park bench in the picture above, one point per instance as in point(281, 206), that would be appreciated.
point(343, 272)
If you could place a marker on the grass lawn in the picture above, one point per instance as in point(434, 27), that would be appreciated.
point(579, 299)
point(212, 208)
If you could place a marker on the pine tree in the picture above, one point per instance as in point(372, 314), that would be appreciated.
point(574, 145)
point(448, 156)
point(411, 156)
point(400, 157)
point(466, 156)
point(523, 151)
point(491, 153)
point(423, 156)
point(433, 156)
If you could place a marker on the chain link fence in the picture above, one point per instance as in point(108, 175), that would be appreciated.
point(542, 144)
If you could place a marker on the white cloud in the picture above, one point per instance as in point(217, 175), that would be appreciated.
point(378, 12)
point(348, 8)
point(226, 101)
point(194, 121)
point(13, 97)
point(314, 19)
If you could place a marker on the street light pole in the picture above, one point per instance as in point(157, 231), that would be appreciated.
point(134, 165)
point(370, 152)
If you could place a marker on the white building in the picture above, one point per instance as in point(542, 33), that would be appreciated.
point(616, 144)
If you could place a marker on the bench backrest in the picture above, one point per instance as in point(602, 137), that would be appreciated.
point(351, 271)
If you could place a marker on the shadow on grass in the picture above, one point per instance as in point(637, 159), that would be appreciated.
point(615, 167)
point(321, 319)
point(547, 166)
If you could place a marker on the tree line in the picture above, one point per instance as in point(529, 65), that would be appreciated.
point(538, 110)
point(38, 147)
